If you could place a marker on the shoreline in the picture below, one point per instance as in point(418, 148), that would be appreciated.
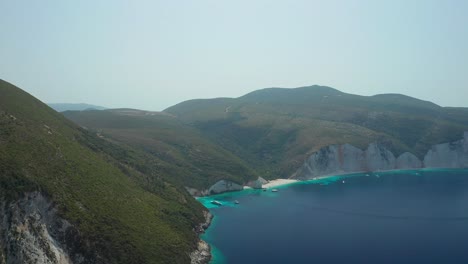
point(202, 254)
point(279, 182)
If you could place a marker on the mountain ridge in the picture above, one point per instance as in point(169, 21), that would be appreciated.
point(272, 131)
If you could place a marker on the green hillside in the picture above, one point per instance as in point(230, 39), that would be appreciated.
point(275, 129)
point(113, 195)
point(187, 156)
point(270, 132)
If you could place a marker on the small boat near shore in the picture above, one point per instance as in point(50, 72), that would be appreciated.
point(216, 202)
point(236, 202)
point(274, 190)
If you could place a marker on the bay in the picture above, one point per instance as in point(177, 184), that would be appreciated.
point(388, 217)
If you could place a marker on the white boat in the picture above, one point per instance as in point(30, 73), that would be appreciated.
point(274, 190)
point(236, 202)
point(216, 202)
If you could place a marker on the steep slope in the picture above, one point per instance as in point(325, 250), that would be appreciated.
point(276, 129)
point(68, 196)
point(188, 157)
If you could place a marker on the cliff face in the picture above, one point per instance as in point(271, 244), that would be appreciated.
point(341, 159)
point(448, 155)
point(219, 187)
point(346, 158)
point(32, 232)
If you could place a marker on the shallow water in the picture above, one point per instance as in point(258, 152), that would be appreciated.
point(391, 217)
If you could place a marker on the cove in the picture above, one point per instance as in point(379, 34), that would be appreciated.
point(418, 216)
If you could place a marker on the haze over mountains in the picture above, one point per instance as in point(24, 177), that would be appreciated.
point(271, 132)
point(115, 185)
point(60, 107)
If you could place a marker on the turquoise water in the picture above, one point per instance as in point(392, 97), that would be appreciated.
point(371, 218)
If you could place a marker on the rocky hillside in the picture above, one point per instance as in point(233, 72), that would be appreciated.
point(68, 196)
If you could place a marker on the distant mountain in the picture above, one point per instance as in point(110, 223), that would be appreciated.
point(75, 107)
point(272, 132)
point(69, 196)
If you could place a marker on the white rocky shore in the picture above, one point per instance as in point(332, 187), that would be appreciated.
point(202, 254)
point(346, 159)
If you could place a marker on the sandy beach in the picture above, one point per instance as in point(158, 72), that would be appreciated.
point(278, 182)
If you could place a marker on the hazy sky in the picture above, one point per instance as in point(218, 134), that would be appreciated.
point(153, 54)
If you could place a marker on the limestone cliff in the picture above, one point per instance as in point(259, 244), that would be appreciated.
point(448, 155)
point(219, 187)
point(202, 254)
point(342, 159)
point(32, 232)
point(258, 183)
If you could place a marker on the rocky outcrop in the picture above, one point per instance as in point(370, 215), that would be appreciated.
point(258, 183)
point(224, 186)
point(377, 157)
point(448, 155)
point(342, 159)
point(32, 232)
point(219, 187)
point(408, 161)
point(202, 254)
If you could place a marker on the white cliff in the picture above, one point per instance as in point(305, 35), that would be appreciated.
point(32, 232)
point(408, 161)
point(448, 155)
point(258, 183)
point(377, 157)
point(342, 159)
point(219, 187)
point(224, 186)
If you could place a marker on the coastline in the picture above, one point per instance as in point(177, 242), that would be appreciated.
point(284, 183)
point(202, 254)
point(279, 182)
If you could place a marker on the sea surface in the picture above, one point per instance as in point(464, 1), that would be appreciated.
point(392, 217)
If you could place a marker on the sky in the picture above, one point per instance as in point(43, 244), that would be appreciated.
point(153, 54)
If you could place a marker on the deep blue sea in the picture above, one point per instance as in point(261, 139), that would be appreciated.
point(391, 217)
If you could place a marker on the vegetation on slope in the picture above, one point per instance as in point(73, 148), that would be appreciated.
point(181, 151)
point(270, 132)
point(275, 129)
point(122, 208)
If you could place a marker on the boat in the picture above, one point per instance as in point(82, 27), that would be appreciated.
point(264, 189)
point(274, 190)
point(216, 202)
point(236, 202)
point(343, 181)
